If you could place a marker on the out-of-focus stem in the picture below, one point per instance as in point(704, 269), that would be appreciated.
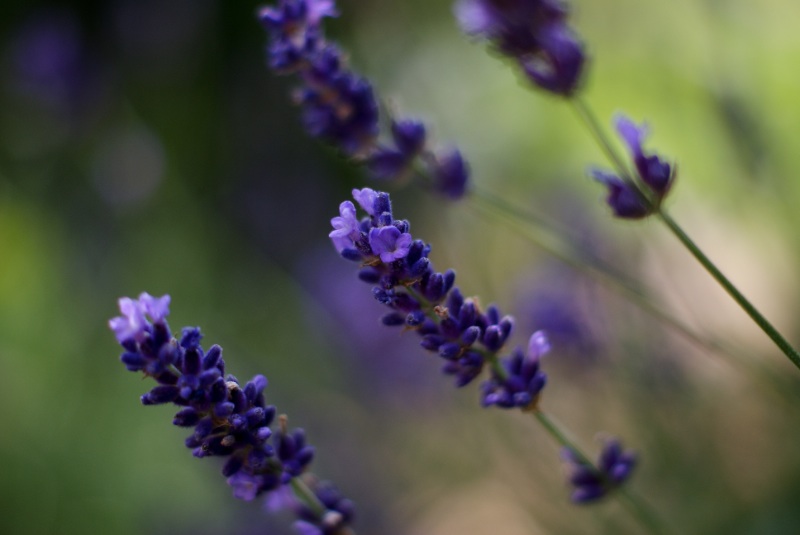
point(598, 133)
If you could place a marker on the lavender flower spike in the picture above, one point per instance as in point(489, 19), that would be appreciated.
point(421, 299)
point(340, 106)
point(228, 420)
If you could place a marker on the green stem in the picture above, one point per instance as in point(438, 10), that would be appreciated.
point(729, 287)
point(307, 497)
point(589, 119)
point(598, 133)
point(635, 505)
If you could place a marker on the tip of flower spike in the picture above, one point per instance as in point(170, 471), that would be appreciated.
point(366, 199)
point(631, 134)
point(133, 324)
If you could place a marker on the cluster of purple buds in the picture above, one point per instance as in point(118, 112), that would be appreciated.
point(427, 302)
point(593, 483)
point(534, 33)
point(625, 198)
point(523, 379)
point(229, 420)
point(340, 106)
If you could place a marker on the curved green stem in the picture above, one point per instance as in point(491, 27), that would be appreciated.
point(729, 287)
point(635, 505)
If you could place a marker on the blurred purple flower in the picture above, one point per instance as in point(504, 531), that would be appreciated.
point(591, 484)
point(532, 32)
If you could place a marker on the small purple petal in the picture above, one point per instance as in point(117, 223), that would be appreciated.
point(345, 227)
point(538, 345)
point(366, 198)
point(473, 17)
point(245, 486)
point(132, 324)
point(632, 134)
point(155, 307)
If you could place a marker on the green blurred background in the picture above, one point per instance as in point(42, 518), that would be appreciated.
point(144, 146)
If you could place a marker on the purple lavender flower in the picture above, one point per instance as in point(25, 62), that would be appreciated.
point(450, 173)
point(522, 381)
point(532, 32)
point(228, 420)
point(653, 171)
point(389, 243)
point(296, 30)
point(366, 197)
point(394, 162)
point(626, 199)
point(340, 107)
point(591, 484)
point(421, 299)
point(623, 198)
point(345, 226)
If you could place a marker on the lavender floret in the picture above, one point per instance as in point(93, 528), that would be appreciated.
point(655, 172)
point(591, 484)
point(522, 381)
point(624, 199)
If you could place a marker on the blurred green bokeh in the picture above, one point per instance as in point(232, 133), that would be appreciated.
point(161, 155)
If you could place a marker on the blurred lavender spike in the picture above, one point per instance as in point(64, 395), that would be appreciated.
point(341, 108)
